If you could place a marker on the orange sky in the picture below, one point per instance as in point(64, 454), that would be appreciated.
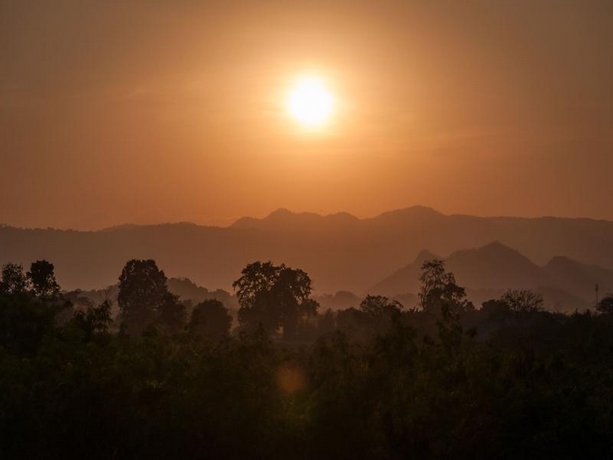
point(147, 112)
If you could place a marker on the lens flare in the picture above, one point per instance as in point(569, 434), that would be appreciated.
point(290, 379)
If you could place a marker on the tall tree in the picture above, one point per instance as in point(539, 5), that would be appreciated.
point(439, 291)
point(210, 319)
point(605, 305)
point(171, 314)
point(42, 278)
point(378, 306)
point(274, 296)
point(142, 287)
point(381, 312)
point(14, 281)
point(95, 321)
point(522, 300)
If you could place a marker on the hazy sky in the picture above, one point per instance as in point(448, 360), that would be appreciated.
point(155, 111)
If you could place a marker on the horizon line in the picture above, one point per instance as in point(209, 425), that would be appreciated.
point(283, 210)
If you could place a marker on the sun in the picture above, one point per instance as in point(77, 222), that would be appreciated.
point(310, 102)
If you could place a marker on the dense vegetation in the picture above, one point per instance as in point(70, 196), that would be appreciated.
point(161, 380)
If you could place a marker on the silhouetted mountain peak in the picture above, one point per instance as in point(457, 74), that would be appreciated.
point(565, 265)
point(494, 253)
point(410, 212)
point(120, 227)
point(244, 222)
point(339, 251)
point(284, 217)
point(343, 216)
point(496, 247)
point(279, 216)
point(281, 213)
point(561, 261)
point(565, 262)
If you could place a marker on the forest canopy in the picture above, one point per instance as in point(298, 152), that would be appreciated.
point(166, 378)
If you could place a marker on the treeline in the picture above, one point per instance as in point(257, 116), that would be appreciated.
point(165, 379)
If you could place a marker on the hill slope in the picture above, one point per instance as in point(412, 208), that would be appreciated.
point(339, 251)
point(488, 271)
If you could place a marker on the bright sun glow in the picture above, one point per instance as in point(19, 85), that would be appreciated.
point(310, 102)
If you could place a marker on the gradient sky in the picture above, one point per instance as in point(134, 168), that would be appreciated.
point(118, 112)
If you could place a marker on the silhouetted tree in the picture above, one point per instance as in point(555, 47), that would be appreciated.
point(94, 321)
point(439, 291)
point(79, 300)
point(142, 287)
point(378, 306)
point(605, 305)
point(14, 281)
point(536, 386)
point(326, 324)
point(495, 309)
point(522, 300)
point(274, 296)
point(171, 314)
point(380, 312)
point(42, 279)
point(25, 321)
point(354, 324)
point(210, 319)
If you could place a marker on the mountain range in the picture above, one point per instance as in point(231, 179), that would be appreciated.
point(490, 270)
point(339, 251)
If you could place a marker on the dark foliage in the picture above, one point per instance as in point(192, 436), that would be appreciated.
point(42, 279)
point(605, 305)
point(273, 297)
point(14, 281)
point(439, 293)
point(142, 289)
point(523, 301)
point(210, 320)
point(171, 314)
point(380, 382)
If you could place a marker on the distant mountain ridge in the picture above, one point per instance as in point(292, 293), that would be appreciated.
point(339, 251)
point(488, 271)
